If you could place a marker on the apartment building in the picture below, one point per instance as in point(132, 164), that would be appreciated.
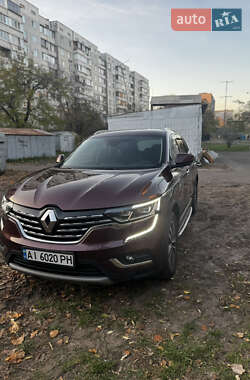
point(104, 81)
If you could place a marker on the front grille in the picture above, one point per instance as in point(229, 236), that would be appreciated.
point(70, 226)
point(80, 269)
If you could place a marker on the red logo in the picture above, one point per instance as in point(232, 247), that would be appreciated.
point(191, 19)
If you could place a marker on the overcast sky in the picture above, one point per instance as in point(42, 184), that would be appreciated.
point(139, 32)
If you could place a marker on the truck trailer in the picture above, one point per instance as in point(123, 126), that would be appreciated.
point(184, 120)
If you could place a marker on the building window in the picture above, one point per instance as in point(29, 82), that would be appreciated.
point(4, 35)
point(13, 7)
point(48, 58)
point(35, 53)
point(34, 39)
point(33, 23)
point(10, 21)
point(47, 32)
point(2, 3)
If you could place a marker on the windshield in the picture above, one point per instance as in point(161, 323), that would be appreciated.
point(118, 152)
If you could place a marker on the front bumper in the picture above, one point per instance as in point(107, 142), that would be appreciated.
point(104, 256)
point(54, 276)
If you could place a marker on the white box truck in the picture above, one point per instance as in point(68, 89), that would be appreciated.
point(184, 120)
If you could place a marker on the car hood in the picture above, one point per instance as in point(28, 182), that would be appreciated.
point(71, 189)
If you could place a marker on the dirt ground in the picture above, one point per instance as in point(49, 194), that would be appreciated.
point(195, 326)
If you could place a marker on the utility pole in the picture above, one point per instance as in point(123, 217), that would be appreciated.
point(226, 96)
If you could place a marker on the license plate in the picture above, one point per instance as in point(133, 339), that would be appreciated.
point(48, 257)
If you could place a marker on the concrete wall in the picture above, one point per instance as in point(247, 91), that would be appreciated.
point(65, 142)
point(31, 146)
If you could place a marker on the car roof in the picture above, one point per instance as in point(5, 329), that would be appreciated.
point(152, 132)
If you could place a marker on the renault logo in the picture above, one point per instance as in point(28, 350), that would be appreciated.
point(49, 220)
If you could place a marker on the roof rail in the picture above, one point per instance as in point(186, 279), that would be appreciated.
point(101, 131)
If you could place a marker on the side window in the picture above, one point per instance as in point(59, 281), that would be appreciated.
point(174, 149)
point(182, 145)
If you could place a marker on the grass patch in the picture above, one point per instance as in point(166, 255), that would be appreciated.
point(129, 313)
point(88, 366)
point(224, 148)
point(186, 355)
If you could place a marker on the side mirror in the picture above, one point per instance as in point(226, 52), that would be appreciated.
point(60, 159)
point(183, 159)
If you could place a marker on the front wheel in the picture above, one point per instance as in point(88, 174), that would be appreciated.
point(169, 249)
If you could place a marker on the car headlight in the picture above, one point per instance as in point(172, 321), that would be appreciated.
point(134, 212)
point(6, 205)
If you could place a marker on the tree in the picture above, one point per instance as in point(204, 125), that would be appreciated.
point(78, 114)
point(209, 124)
point(230, 134)
point(28, 95)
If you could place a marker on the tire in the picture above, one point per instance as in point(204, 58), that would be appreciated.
point(195, 199)
point(169, 249)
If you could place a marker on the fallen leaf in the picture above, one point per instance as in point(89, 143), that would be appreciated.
point(237, 368)
point(33, 334)
point(104, 315)
point(53, 333)
point(163, 363)
point(28, 357)
point(60, 341)
point(125, 337)
point(158, 338)
point(186, 297)
point(14, 327)
point(51, 347)
point(237, 297)
point(172, 335)
point(110, 332)
point(160, 348)
point(14, 315)
point(187, 292)
point(204, 328)
point(125, 354)
point(239, 335)
point(15, 357)
point(66, 339)
point(1, 333)
point(98, 328)
point(18, 341)
point(233, 306)
point(2, 319)
point(93, 350)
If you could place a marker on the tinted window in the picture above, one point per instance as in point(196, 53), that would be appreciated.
point(119, 152)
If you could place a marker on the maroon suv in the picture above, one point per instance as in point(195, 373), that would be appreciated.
point(112, 211)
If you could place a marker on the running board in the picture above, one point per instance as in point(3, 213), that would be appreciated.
point(183, 227)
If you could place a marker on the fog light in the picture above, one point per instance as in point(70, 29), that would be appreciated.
point(130, 259)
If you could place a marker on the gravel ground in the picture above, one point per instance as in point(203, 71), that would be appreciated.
point(195, 326)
